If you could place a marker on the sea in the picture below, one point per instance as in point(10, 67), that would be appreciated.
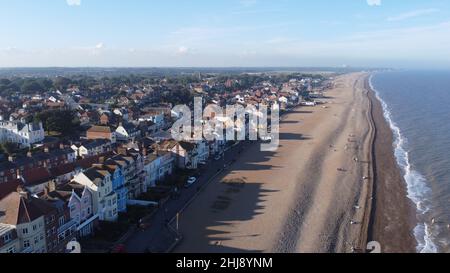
point(417, 107)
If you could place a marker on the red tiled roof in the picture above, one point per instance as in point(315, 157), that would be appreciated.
point(100, 129)
point(36, 176)
point(16, 209)
point(9, 187)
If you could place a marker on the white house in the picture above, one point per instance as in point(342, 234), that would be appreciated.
point(104, 198)
point(81, 209)
point(92, 147)
point(157, 118)
point(185, 153)
point(20, 133)
point(121, 113)
point(203, 150)
point(152, 165)
point(127, 131)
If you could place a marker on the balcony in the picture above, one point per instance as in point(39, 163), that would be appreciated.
point(88, 221)
point(67, 226)
point(28, 250)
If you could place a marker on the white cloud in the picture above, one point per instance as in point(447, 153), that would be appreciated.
point(412, 14)
point(73, 2)
point(99, 46)
point(374, 2)
point(182, 50)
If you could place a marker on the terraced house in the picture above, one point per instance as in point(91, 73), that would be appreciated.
point(79, 199)
point(104, 198)
point(9, 242)
point(118, 182)
point(23, 134)
point(21, 212)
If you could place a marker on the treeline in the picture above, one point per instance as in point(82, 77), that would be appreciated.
point(37, 85)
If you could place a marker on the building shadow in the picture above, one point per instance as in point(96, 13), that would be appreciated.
point(206, 227)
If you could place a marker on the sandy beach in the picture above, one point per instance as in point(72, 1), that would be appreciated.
point(308, 196)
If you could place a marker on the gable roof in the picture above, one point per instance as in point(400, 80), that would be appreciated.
point(16, 209)
point(95, 175)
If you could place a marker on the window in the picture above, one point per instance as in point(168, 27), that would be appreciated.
point(36, 240)
point(25, 231)
point(7, 238)
point(89, 210)
point(11, 250)
point(34, 227)
point(26, 243)
point(61, 221)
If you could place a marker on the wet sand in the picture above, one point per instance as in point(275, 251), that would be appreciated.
point(393, 216)
point(295, 199)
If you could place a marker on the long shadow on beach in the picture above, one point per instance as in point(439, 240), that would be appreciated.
point(233, 199)
point(236, 201)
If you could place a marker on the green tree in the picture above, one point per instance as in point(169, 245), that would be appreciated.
point(9, 148)
point(61, 121)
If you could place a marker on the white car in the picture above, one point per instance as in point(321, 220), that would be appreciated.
point(190, 181)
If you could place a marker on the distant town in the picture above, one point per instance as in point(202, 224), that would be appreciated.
point(91, 159)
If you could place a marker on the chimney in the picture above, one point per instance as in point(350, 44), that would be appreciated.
point(29, 154)
point(11, 158)
point(51, 186)
point(144, 151)
point(46, 149)
point(62, 146)
point(101, 159)
point(24, 194)
point(18, 174)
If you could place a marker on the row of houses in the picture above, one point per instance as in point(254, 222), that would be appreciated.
point(21, 133)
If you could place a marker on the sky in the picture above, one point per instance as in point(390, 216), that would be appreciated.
point(225, 33)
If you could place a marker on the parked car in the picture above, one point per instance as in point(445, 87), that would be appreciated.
point(191, 181)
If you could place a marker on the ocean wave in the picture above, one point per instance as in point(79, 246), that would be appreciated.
point(418, 190)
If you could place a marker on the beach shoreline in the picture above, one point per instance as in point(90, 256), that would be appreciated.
point(392, 217)
point(310, 196)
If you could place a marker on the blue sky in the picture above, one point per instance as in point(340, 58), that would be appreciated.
point(394, 33)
